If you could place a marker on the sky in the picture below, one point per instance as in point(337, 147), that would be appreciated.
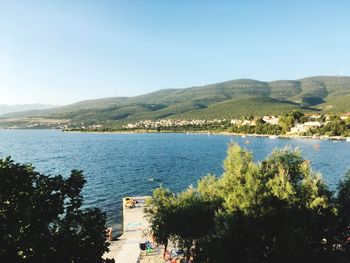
point(60, 52)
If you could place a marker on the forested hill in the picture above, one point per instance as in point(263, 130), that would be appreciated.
point(226, 99)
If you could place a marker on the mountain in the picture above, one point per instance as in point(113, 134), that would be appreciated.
point(221, 100)
point(4, 109)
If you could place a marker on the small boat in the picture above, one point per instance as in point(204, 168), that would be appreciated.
point(348, 139)
point(243, 136)
point(272, 136)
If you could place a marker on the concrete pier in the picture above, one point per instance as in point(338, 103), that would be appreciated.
point(126, 248)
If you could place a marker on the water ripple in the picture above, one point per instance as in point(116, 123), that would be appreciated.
point(117, 165)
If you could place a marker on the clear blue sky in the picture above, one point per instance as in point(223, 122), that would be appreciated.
point(64, 51)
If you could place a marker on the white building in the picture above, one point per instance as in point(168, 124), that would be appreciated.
point(271, 120)
point(236, 122)
point(304, 127)
point(131, 126)
point(248, 123)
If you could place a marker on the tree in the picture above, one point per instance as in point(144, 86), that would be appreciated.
point(277, 210)
point(288, 120)
point(184, 219)
point(41, 218)
point(158, 210)
point(266, 205)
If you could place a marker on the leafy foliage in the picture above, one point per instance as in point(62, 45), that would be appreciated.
point(260, 128)
point(41, 219)
point(334, 127)
point(278, 210)
point(288, 120)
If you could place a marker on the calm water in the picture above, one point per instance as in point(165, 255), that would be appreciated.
point(117, 165)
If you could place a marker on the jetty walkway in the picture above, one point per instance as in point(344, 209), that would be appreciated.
point(126, 248)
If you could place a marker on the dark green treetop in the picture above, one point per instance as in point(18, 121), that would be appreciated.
point(41, 219)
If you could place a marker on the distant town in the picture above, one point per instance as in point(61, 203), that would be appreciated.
point(293, 123)
point(304, 124)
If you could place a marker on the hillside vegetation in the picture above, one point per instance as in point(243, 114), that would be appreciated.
point(226, 99)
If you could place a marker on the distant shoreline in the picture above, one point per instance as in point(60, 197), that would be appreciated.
point(284, 136)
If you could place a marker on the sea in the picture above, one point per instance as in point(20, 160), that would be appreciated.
point(117, 165)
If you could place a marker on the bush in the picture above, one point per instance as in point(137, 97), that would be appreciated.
point(278, 210)
point(41, 219)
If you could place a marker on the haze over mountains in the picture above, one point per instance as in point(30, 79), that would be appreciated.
point(4, 109)
point(235, 98)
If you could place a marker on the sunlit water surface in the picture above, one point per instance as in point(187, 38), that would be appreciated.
point(118, 165)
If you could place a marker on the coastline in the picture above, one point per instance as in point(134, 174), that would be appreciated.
point(209, 132)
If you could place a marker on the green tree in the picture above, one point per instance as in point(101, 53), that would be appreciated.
point(185, 219)
point(277, 210)
point(158, 211)
point(41, 219)
point(288, 120)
